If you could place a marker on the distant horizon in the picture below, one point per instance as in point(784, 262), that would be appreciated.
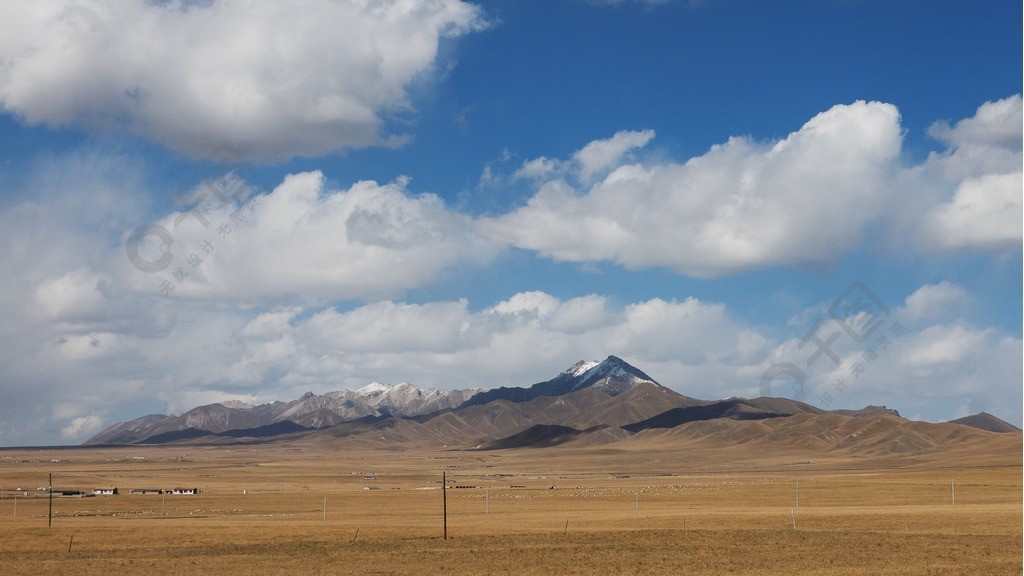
point(527, 385)
point(589, 364)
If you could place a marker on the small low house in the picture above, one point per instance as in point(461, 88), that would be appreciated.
point(104, 491)
point(185, 491)
point(147, 491)
point(69, 493)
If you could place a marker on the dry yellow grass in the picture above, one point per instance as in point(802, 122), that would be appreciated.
point(649, 510)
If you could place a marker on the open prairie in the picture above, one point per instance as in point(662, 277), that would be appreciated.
point(643, 508)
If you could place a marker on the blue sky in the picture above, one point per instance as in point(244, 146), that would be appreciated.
point(466, 194)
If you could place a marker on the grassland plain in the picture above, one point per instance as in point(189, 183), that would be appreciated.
point(643, 510)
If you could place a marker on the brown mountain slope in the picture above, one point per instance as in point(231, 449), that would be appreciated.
point(781, 405)
point(986, 421)
point(536, 436)
point(868, 411)
point(583, 409)
point(641, 402)
point(128, 432)
point(832, 433)
point(321, 418)
point(212, 418)
point(475, 424)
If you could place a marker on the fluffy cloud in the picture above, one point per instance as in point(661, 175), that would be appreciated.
point(303, 240)
point(82, 426)
point(928, 371)
point(996, 124)
point(804, 199)
point(595, 159)
point(985, 213)
point(81, 322)
point(936, 301)
point(270, 80)
point(207, 352)
point(528, 337)
point(524, 330)
point(179, 353)
point(744, 204)
point(922, 358)
point(602, 155)
point(61, 308)
point(930, 363)
point(975, 184)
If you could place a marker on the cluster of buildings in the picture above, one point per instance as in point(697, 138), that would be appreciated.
point(43, 491)
point(177, 491)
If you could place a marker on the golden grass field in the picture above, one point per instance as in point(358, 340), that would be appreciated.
point(645, 509)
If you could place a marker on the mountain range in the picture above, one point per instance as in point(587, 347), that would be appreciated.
point(590, 403)
point(309, 411)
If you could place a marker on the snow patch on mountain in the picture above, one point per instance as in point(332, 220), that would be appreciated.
point(612, 376)
point(373, 387)
point(581, 367)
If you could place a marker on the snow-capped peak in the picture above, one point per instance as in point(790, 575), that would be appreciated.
point(581, 367)
point(612, 375)
point(372, 388)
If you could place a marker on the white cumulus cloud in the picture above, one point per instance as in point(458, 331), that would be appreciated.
point(602, 155)
point(976, 183)
point(744, 204)
point(302, 239)
point(82, 427)
point(923, 358)
point(269, 79)
point(936, 301)
point(984, 213)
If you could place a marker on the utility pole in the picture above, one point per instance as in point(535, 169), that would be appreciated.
point(49, 516)
point(444, 500)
